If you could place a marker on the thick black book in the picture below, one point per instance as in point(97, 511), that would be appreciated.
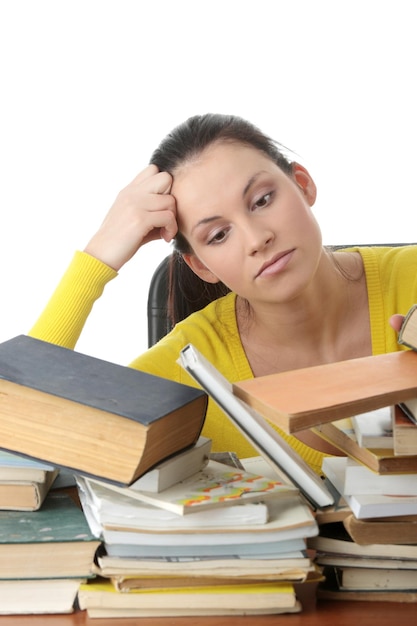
point(92, 416)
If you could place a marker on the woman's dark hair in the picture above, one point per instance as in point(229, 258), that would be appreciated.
point(187, 292)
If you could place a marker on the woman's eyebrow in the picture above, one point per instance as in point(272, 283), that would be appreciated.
point(204, 221)
point(247, 187)
point(251, 181)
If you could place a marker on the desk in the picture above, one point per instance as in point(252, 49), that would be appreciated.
point(327, 613)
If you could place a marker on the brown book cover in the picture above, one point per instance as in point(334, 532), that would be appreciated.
point(25, 495)
point(404, 432)
point(89, 415)
point(380, 460)
point(402, 530)
point(307, 397)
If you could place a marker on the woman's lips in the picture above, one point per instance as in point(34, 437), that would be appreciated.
point(275, 265)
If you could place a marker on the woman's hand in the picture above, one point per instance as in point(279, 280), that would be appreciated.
point(143, 211)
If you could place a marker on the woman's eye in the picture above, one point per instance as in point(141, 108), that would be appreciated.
point(263, 201)
point(218, 237)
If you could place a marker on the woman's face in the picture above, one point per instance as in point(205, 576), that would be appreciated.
point(248, 223)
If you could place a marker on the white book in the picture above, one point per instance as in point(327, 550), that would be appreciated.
point(373, 429)
point(215, 486)
point(17, 467)
point(204, 566)
point(176, 468)
point(113, 509)
point(360, 480)
point(253, 550)
point(365, 506)
point(265, 439)
point(290, 518)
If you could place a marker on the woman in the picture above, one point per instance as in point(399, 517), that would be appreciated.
point(240, 214)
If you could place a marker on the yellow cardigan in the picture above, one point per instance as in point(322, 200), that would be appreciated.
point(391, 275)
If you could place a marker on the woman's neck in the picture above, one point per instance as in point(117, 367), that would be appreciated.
point(329, 322)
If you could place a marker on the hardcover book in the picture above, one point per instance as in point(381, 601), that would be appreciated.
point(382, 461)
point(92, 416)
point(332, 391)
point(54, 542)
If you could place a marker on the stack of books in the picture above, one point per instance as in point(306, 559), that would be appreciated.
point(45, 555)
point(370, 553)
point(222, 540)
point(110, 426)
point(24, 482)
point(63, 409)
point(46, 548)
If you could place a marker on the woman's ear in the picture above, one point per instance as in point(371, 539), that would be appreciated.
point(304, 181)
point(199, 268)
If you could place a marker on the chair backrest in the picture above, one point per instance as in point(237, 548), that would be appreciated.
point(158, 321)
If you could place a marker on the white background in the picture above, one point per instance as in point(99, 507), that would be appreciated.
point(90, 87)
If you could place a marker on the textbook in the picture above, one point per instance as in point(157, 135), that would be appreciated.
point(25, 495)
point(359, 479)
point(272, 548)
point(332, 391)
point(404, 431)
point(258, 595)
point(270, 445)
point(215, 486)
point(115, 510)
point(290, 518)
point(365, 505)
point(127, 571)
point(407, 335)
point(17, 467)
point(401, 530)
point(31, 597)
point(330, 589)
point(129, 582)
point(334, 539)
point(92, 416)
point(373, 429)
point(381, 460)
point(176, 468)
point(376, 578)
point(54, 542)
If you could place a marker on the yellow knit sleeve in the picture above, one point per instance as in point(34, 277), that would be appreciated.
point(64, 316)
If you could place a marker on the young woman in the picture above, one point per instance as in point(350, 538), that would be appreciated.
point(240, 214)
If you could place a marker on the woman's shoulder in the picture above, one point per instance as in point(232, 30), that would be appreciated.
point(213, 331)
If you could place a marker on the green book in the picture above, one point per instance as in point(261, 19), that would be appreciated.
point(53, 542)
point(92, 416)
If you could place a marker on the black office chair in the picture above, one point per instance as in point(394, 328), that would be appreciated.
point(158, 319)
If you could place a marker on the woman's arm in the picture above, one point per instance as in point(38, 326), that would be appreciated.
point(143, 211)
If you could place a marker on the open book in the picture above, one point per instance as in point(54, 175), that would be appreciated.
point(256, 429)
